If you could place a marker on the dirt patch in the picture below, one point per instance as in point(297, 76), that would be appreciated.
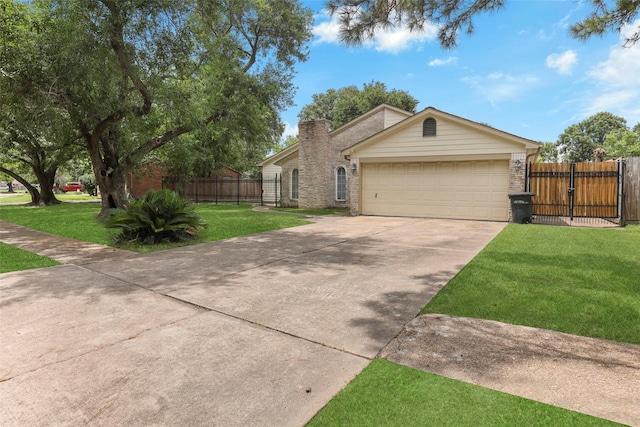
point(596, 377)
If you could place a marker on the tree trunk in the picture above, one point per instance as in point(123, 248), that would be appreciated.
point(110, 172)
point(113, 189)
point(35, 194)
point(46, 180)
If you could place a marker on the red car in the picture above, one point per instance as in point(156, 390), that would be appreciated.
point(72, 186)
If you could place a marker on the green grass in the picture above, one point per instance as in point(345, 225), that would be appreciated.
point(575, 280)
point(79, 221)
point(386, 394)
point(15, 259)
point(312, 211)
point(22, 197)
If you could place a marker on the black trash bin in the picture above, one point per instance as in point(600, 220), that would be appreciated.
point(521, 207)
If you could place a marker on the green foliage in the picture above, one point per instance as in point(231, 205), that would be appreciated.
point(157, 217)
point(33, 132)
point(386, 394)
point(146, 74)
point(605, 18)
point(579, 141)
point(580, 281)
point(622, 143)
point(359, 20)
point(290, 140)
point(88, 181)
point(548, 153)
point(345, 104)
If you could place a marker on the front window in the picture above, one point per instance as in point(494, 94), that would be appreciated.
point(341, 184)
point(294, 184)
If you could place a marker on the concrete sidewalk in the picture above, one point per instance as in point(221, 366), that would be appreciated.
point(61, 249)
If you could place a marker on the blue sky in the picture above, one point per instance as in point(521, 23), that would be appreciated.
point(520, 71)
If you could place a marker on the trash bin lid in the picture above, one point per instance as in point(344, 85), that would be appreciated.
point(522, 193)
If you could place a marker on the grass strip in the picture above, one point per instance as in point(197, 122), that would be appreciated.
point(575, 280)
point(387, 394)
point(15, 259)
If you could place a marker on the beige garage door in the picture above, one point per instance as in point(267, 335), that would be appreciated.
point(465, 190)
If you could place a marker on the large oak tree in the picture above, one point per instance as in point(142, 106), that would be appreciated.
point(578, 142)
point(347, 103)
point(136, 75)
point(36, 138)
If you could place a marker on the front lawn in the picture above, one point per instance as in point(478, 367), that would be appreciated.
point(575, 280)
point(78, 221)
point(15, 259)
point(386, 394)
point(22, 197)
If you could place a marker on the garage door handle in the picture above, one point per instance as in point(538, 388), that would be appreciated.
point(376, 196)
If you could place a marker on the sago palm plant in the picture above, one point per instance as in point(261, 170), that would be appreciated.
point(158, 216)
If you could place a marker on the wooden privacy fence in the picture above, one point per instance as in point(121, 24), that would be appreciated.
point(632, 190)
point(216, 189)
point(587, 190)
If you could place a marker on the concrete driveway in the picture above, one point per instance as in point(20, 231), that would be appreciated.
point(256, 330)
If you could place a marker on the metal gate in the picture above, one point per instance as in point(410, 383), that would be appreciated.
point(577, 190)
point(271, 189)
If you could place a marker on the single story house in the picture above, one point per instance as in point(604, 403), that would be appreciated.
point(392, 162)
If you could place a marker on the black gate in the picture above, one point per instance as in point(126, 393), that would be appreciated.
point(577, 190)
point(271, 189)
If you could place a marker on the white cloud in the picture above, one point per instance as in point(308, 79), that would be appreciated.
point(328, 31)
point(617, 86)
point(614, 101)
point(563, 62)
point(396, 40)
point(452, 60)
point(289, 130)
point(622, 68)
point(498, 87)
point(391, 40)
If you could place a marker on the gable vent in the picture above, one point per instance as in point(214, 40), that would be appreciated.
point(429, 127)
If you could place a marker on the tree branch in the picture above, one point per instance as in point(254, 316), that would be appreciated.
point(116, 40)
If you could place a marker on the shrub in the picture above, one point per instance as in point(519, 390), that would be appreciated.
point(88, 181)
point(158, 216)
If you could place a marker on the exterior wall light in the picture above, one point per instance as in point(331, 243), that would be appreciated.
point(354, 167)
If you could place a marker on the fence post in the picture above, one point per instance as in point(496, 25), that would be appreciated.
point(620, 184)
point(275, 183)
point(261, 190)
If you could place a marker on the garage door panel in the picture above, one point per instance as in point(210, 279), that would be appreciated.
point(465, 189)
point(414, 168)
point(483, 197)
point(464, 167)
